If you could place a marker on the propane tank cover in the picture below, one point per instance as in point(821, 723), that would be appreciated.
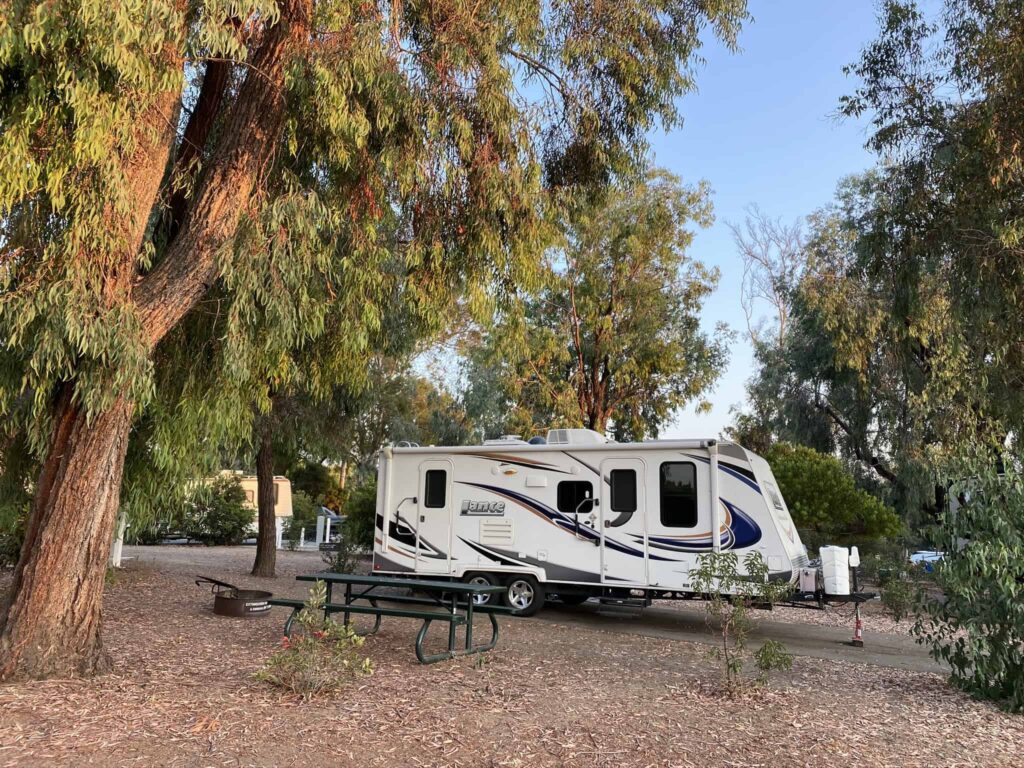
point(854, 558)
point(835, 570)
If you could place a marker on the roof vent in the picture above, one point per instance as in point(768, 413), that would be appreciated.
point(576, 437)
point(506, 440)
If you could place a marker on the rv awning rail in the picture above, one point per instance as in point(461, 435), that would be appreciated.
point(682, 445)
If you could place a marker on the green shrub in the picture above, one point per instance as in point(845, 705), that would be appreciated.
point(303, 516)
point(823, 498)
point(216, 513)
point(899, 596)
point(361, 512)
point(977, 624)
point(321, 657)
point(771, 656)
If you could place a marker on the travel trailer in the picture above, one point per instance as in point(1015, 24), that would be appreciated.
point(282, 501)
point(577, 515)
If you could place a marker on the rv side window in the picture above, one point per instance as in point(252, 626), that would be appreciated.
point(573, 493)
point(435, 487)
point(678, 494)
point(623, 484)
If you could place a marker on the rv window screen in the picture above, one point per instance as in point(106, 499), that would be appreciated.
point(678, 494)
point(623, 484)
point(573, 493)
point(435, 486)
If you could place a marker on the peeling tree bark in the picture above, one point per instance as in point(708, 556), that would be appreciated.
point(51, 623)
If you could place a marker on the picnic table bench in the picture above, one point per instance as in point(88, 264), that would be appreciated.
point(451, 602)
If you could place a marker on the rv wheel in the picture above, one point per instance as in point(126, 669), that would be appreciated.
point(525, 595)
point(484, 579)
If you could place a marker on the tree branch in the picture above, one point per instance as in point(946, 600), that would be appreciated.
point(249, 139)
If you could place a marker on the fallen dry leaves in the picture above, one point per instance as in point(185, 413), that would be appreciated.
point(550, 695)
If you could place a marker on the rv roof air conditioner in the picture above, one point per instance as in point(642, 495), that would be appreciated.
point(576, 437)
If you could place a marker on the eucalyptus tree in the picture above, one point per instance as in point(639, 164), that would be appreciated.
point(613, 338)
point(169, 159)
point(907, 340)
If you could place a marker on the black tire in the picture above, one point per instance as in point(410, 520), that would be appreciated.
point(574, 599)
point(524, 594)
point(483, 578)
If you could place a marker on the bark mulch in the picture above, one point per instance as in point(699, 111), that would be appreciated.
point(182, 694)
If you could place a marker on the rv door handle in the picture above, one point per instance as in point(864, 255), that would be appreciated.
point(423, 518)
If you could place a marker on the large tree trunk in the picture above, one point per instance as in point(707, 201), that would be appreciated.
point(266, 539)
point(51, 623)
point(52, 620)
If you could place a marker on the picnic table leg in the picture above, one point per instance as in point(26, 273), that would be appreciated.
point(452, 628)
point(348, 601)
point(469, 623)
point(376, 620)
point(425, 658)
point(290, 621)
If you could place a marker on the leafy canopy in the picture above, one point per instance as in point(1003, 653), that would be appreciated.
point(612, 339)
point(905, 342)
point(409, 170)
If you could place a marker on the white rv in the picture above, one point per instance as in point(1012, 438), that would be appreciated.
point(577, 515)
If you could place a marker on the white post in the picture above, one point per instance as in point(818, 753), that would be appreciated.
point(716, 506)
point(384, 494)
point(279, 526)
point(118, 544)
point(302, 537)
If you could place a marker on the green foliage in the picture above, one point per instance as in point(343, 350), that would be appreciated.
point(613, 336)
point(216, 513)
point(303, 516)
point(361, 511)
point(731, 592)
point(770, 657)
point(905, 340)
point(314, 480)
point(899, 597)
point(12, 534)
point(345, 557)
point(407, 174)
point(976, 625)
point(821, 496)
point(320, 658)
point(303, 508)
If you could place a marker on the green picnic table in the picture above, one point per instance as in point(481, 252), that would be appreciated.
point(431, 600)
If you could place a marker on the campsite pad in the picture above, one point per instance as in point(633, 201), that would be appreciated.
point(554, 693)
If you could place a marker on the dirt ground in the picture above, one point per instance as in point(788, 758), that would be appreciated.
point(554, 693)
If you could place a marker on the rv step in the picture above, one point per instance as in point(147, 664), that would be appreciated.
point(626, 602)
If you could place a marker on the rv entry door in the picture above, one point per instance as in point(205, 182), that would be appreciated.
point(623, 522)
point(434, 517)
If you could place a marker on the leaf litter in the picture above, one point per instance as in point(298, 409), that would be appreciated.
point(551, 694)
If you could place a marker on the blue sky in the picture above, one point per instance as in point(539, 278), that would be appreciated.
point(763, 130)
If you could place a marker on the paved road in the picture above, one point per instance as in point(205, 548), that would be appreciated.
point(687, 623)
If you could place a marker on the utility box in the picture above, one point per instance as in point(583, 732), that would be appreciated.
point(808, 579)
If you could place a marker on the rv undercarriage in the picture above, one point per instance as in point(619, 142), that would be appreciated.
point(528, 596)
